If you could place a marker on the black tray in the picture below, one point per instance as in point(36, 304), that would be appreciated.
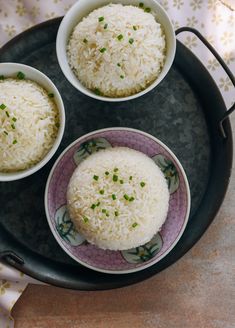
point(184, 111)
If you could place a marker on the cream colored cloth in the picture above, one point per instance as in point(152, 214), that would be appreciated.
point(213, 18)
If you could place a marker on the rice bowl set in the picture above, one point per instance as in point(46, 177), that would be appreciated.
point(101, 121)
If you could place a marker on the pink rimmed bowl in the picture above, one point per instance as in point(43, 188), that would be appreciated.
point(74, 244)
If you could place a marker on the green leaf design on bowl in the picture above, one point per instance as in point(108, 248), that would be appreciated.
point(169, 170)
point(89, 147)
point(65, 227)
point(144, 253)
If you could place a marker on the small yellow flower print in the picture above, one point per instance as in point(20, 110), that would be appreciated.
point(191, 41)
point(67, 8)
point(196, 4)
point(20, 10)
point(226, 38)
point(165, 4)
point(217, 18)
point(211, 39)
point(10, 30)
point(178, 3)
point(212, 64)
point(225, 84)
point(4, 284)
point(212, 4)
point(231, 20)
point(176, 24)
point(192, 21)
point(56, 1)
point(229, 57)
point(35, 11)
point(50, 15)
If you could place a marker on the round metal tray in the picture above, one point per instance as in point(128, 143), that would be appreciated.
point(184, 112)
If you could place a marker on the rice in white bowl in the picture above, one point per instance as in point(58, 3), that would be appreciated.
point(117, 50)
point(29, 121)
point(118, 198)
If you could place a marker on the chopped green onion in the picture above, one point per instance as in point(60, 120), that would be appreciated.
point(122, 76)
point(2, 77)
point(7, 114)
point(116, 169)
point(121, 181)
point(95, 177)
point(134, 28)
point(13, 126)
point(114, 197)
point(118, 64)
point(126, 197)
point(102, 192)
point(85, 40)
point(2, 106)
point(103, 210)
point(14, 119)
point(57, 125)
point(51, 95)
point(120, 37)
point(14, 142)
point(93, 206)
point(101, 19)
point(85, 219)
point(130, 178)
point(20, 76)
point(131, 199)
point(147, 10)
point(97, 92)
point(134, 224)
point(106, 173)
point(102, 50)
point(141, 5)
point(98, 204)
point(6, 133)
point(116, 213)
point(131, 40)
point(115, 178)
point(105, 26)
point(142, 184)
point(107, 214)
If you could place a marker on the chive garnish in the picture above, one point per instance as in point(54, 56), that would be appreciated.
point(131, 199)
point(147, 10)
point(105, 26)
point(121, 181)
point(14, 119)
point(118, 64)
point(126, 197)
point(57, 125)
point(85, 219)
point(6, 133)
point(141, 5)
point(130, 178)
point(7, 114)
point(93, 206)
point(2, 77)
point(134, 28)
point(116, 213)
point(102, 50)
point(106, 173)
point(103, 210)
point(51, 95)
point(20, 76)
point(95, 177)
point(85, 40)
point(97, 92)
point(14, 142)
point(122, 76)
point(98, 204)
point(134, 224)
point(142, 184)
point(131, 40)
point(107, 214)
point(115, 178)
point(2, 106)
point(13, 126)
point(114, 197)
point(116, 169)
point(120, 37)
point(101, 19)
point(102, 192)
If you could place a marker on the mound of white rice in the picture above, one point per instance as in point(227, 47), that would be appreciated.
point(117, 50)
point(28, 124)
point(118, 198)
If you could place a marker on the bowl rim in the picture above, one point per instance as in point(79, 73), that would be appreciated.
point(188, 203)
point(18, 175)
point(59, 44)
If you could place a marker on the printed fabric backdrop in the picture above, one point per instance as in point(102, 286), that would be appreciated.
point(215, 19)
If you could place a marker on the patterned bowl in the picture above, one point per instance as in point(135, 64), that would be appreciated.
point(73, 243)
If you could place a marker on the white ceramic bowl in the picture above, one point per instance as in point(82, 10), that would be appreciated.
point(81, 9)
point(10, 70)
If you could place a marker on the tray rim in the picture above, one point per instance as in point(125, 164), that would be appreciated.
point(87, 286)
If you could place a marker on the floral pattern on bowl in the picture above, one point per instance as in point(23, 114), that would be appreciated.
point(106, 260)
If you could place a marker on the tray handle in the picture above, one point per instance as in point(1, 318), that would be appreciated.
point(222, 63)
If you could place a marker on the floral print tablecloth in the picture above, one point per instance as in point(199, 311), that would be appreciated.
point(215, 19)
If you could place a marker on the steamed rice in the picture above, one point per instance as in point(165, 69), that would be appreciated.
point(115, 215)
point(117, 50)
point(28, 124)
